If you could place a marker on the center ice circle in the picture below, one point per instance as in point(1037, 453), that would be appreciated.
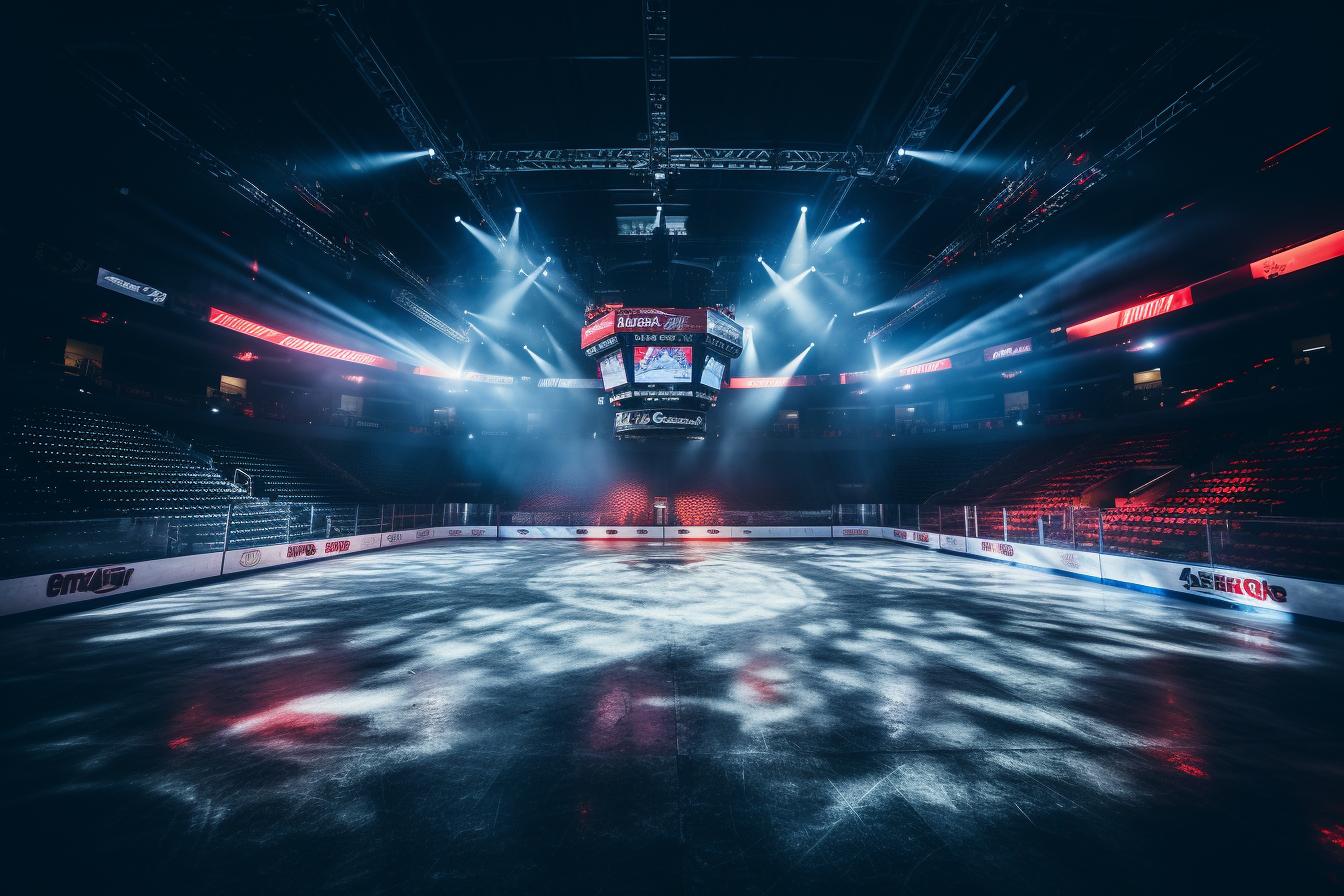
point(708, 591)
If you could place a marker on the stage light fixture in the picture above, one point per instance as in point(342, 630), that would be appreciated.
point(517, 209)
point(431, 152)
point(863, 220)
point(804, 209)
point(906, 386)
point(814, 269)
point(901, 151)
point(548, 258)
point(457, 219)
point(761, 259)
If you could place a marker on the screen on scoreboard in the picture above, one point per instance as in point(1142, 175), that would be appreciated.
point(662, 364)
point(613, 370)
point(712, 375)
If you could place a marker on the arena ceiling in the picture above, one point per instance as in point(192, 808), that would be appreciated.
point(1032, 95)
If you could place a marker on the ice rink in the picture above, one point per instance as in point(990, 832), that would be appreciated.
point(783, 717)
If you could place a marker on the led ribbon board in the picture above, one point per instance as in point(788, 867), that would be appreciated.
point(256, 330)
point(927, 367)
point(1132, 315)
point(765, 382)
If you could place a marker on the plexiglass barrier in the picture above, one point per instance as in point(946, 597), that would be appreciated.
point(1312, 549)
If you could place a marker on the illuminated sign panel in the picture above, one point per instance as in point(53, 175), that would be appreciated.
point(723, 327)
point(1008, 350)
point(603, 326)
point(1303, 256)
point(712, 374)
point(765, 382)
point(928, 367)
point(256, 330)
point(142, 291)
point(613, 370)
point(662, 364)
point(1132, 315)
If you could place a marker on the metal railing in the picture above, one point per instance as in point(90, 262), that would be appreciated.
point(1303, 548)
point(33, 547)
point(1312, 549)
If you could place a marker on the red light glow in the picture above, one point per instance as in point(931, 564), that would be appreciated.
point(1132, 315)
point(258, 331)
point(927, 367)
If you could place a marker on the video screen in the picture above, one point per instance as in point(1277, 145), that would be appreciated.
point(663, 364)
point(712, 375)
point(613, 371)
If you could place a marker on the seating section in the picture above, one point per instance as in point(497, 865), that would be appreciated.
point(112, 465)
point(395, 475)
point(279, 467)
point(1269, 476)
point(1035, 455)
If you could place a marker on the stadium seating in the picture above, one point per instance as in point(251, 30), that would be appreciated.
point(113, 465)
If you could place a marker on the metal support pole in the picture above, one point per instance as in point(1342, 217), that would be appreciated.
point(1100, 533)
point(1040, 528)
point(1005, 525)
point(356, 519)
point(228, 521)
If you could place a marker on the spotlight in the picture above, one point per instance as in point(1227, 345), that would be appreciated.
point(524, 348)
point(517, 209)
point(814, 269)
point(431, 152)
point(548, 258)
point(760, 258)
point(660, 208)
point(811, 344)
point(804, 209)
point(545, 273)
point(906, 386)
point(863, 220)
point(1019, 423)
point(1019, 295)
point(901, 151)
point(457, 219)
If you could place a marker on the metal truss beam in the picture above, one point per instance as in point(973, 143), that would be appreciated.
point(1085, 180)
point(679, 158)
point(404, 299)
point(961, 62)
point(656, 71)
point(1131, 146)
point(207, 161)
point(159, 127)
point(403, 105)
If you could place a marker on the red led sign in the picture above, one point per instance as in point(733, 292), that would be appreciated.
point(765, 382)
point(251, 328)
point(1131, 315)
point(927, 367)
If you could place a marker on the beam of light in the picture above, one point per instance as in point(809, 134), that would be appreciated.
point(376, 160)
point(790, 368)
point(506, 302)
point(826, 242)
point(558, 351)
point(956, 163)
point(510, 256)
point(751, 362)
point(491, 244)
point(795, 256)
point(786, 288)
point(546, 367)
point(324, 311)
point(494, 347)
point(567, 310)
